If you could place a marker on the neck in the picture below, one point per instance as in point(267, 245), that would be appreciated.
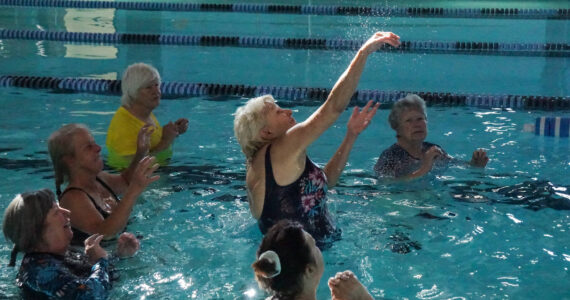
point(414, 148)
point(140, 112)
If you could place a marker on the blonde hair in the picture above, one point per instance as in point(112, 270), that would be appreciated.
point(135, 77)
point(24, 220)
point(60, 144)
point(248, 122)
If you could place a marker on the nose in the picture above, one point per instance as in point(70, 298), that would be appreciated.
point(65, 212)
point(97, 148)
point(289, 112)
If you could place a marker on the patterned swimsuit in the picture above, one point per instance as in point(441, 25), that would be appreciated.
point(304, 201)
point(397, 162)
point(46, 276)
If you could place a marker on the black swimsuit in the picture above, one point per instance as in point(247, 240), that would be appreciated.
point(78, 235)
point(304, 201)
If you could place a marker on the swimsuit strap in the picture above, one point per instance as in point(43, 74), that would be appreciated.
point(108, 188)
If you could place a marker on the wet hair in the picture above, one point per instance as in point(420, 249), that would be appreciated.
point(24, 220)
point(248, 122)
point(410, 102)
point(60, 144)
point(287, 239)
point(135, 77)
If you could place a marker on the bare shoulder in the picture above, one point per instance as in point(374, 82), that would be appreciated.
point(73, 198)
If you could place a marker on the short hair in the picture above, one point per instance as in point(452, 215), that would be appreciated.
point(410, 102)
point(248, 122)
point(136, 76)
point(287, 239)
point(60, 144)
point(24, 219)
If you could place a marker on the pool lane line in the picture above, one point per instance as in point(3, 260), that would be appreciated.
point(329, 10)
point(299, 95)
point(431, 47)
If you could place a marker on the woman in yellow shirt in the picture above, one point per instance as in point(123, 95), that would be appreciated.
point(141, 95)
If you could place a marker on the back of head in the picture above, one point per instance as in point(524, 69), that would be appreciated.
point(60, 144)
point(287, 240)
point(248, 122)
point(24, 219)
point(410, 102)
point(135, 77)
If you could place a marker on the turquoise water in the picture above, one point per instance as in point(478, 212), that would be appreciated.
point(463, 234)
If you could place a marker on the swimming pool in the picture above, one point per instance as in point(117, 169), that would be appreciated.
point(497, 233)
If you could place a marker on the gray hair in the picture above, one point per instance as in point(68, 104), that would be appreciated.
point(135, 77)
point(248, 122)
point(60, 144)
point(24, 220)
point(410, 102)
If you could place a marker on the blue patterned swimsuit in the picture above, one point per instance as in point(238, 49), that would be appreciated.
point(397, 162)
point(304, 201)
point(46, 276)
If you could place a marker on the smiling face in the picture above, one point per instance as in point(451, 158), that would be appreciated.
point(57, 232)
point(278, 121)
point(87, 154)
point(412, 126)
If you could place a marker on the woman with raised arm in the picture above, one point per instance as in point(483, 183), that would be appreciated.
point(92, 195)
point(282, 182)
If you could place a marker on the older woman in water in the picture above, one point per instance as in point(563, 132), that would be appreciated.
point(282, 182)
point(92, 195)
point(40, 228)
point(141, 95)
point(289, 265)
point(411, 156)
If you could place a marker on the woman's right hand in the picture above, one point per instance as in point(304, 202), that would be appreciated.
point(143, 175)
point(429, 157)
point(143, 139)
point(378, 39)
point(345, 286)
point(93, 249)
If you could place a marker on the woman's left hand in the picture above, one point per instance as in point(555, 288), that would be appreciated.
point(181, 125)
point(479, 158)
point(127, 245)
point(360, 119)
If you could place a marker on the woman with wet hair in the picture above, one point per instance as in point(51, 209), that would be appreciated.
point(92, 195)
point(289, 265)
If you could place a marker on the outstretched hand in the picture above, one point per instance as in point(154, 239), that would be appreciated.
point(181, 125)
point(360, 119)
point(479, 158)
point(378, 39)
point(143, 174)
point(345, 286)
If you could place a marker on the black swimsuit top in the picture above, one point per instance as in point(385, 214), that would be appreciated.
point(78, 235)
point(304, 201)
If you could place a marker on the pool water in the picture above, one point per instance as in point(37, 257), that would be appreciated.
point(463, 233)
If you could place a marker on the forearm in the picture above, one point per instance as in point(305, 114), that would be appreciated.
point(118, 219)
point(336, 164)
point(345, 86)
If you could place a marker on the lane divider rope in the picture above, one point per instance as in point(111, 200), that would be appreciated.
point(441, 47)
point(300, 95)
point(488, 12)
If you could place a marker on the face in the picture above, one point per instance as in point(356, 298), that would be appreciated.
point(57, 230)
point(412, 126)
point(149, 95)
point(278, 121)
point(318, 256)
point(87, 154)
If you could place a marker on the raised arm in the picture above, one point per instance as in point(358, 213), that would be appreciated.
point(303, 134)
point(359, 120)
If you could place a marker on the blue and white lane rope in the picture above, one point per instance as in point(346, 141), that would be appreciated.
point(332, 10)
point(552, 126)
point(301, 95)
point(442, 47)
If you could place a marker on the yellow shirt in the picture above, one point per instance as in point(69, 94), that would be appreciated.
point(122, 139)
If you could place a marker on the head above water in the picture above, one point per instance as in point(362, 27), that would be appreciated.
point(60, 145)
point(135, 77)
point(248, 121)
point(296, 254)
point(410, 102)
point(24, 219)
